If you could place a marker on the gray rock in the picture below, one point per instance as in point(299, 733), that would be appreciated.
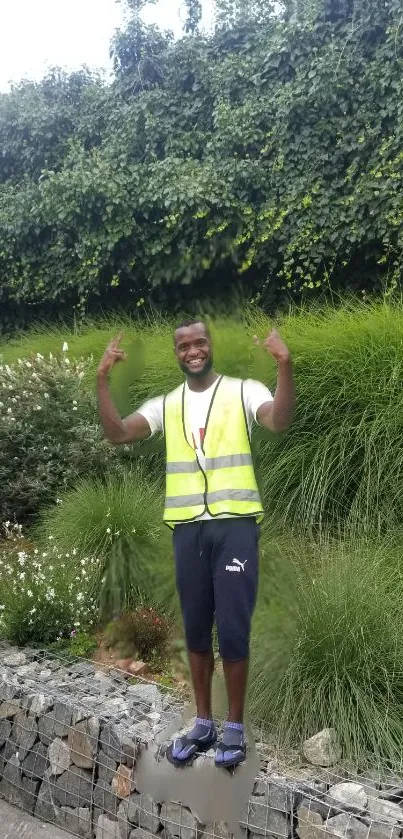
point(82, 668)
point(46, 807)
point(144, 812)
point(5, 731)
point(138, 833)
point(73, 788)
point(107, 829)
point(37, 703)
point(16, 789)
point(179, 821)
point(144, 693)
point(347, 827)
point(55, 723)
point(104, 799)
point(261, 819)
point(15, 660)
point(10, 687)
point(310, 823)
point(59, 756)
point(218, 830)
point(9, 709)
point(110, 741)
point(83, 742)
point(76, 820)
point(106, 767)
point(386, 811)
point(116, 742)
point(36, 762)
point(25, 733)
point(45, 675)
point(322, 749)
point(27, 670)
point(349, 796)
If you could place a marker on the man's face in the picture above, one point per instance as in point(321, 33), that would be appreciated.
point(193, 350)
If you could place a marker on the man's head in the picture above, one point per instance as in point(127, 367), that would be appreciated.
point(193, 348)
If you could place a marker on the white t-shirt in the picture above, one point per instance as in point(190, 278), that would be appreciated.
point(198, 404)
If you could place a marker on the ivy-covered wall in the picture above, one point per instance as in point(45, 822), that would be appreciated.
point(266, 157)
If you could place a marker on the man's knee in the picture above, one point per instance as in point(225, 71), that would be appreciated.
point(233, 646)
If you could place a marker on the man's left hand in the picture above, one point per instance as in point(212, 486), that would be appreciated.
point(276, 347)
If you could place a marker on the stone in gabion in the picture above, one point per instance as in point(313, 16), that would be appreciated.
point(179, 821)
point(36, 762)
point(106, 767)
point(37, 703)
point(9, 687)
point(104, 799)
point(73, 788)
point(15, 660)
point(55, 723)
point(260, 819)
point(83, 742)
point(122, 782)
point(310, 823)
point(59, 756)
point(107, 829)
point(349, 796)
point(46, 808)
point(25, 733)
point(347, 827)
point(9, 709)
point(16, 789)
point(5, 731)
point(77, 820)
point(387, 811)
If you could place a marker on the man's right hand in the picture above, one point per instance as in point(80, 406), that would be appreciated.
point(112, 355)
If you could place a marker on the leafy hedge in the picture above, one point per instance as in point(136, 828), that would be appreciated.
point(266, 156)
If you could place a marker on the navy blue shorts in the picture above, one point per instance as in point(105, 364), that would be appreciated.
point(217, 576)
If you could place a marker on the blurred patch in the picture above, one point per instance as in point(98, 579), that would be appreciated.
point(125, 375)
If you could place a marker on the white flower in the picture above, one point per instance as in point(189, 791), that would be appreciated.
point(108, 530)
point(22, 575)
point(65, 347)
point(74, 551)
point(39, 356)
point(75, 408)
point(46, 395)
point(32, 612)
point(80, 596)
point(2, 607)
point(29, 593)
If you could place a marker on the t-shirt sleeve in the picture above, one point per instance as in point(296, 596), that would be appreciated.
point(255, 394)
point(153, 412)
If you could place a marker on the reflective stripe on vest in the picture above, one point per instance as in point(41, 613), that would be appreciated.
point(227, 486)
point(225, 461)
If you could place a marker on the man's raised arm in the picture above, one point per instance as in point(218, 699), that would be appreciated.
point(117, 430)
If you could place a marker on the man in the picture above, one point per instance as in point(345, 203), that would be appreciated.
point(214, 508)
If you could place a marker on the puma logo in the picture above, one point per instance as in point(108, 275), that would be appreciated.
point(237, 566)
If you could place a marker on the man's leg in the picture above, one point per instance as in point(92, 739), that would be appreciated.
point(196, 593)
point(202, 668)
point(235, 568)
point(236, 680)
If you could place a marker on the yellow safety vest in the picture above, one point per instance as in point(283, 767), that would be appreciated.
point(228, 484)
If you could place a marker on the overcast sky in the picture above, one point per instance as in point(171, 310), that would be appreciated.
point(37, 34)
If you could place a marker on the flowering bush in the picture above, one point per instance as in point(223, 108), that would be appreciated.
point(44, 595)
point(143, 631)
point(49, 434)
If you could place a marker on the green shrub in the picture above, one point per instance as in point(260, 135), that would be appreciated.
point(144, 631)
point(45, 595)
point(48, 433)
point(342, 459)
point(120, 522)
point(328, 645)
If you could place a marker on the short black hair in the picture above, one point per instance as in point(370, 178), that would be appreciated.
point(192, 322)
